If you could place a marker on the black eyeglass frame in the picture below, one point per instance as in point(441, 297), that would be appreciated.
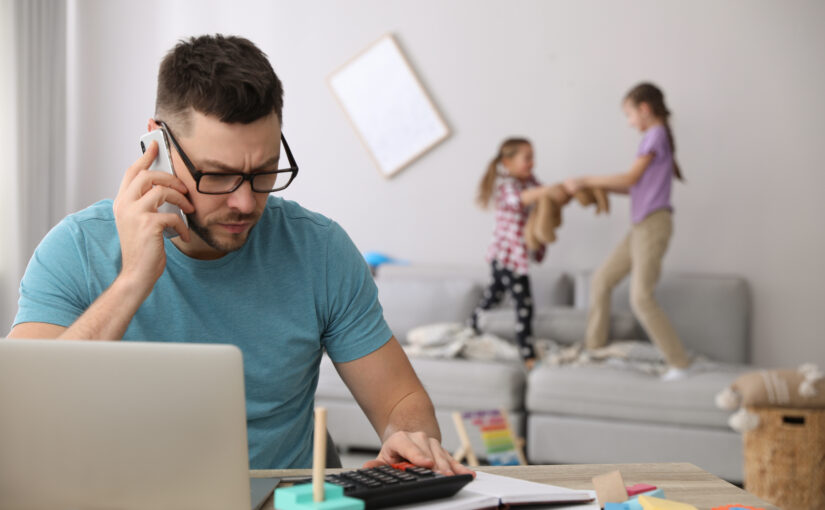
point(198, 175)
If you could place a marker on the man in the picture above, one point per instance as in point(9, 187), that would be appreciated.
point(280, 282)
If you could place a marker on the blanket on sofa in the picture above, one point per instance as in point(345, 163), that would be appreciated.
point(453, 340)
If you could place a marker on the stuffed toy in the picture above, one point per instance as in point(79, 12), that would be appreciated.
point(545, 216)
point(803, 388)
point(598, 196)
point(544, 219)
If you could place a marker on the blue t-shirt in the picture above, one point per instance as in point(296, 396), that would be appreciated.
point(297, 286)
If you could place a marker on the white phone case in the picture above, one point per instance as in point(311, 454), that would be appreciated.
point(163, 163)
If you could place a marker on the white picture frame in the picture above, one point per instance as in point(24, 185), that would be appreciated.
point(387, 106)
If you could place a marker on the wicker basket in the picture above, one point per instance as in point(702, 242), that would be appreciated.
point(785, 458)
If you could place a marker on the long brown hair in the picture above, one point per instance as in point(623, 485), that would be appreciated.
point(655, 99)
point(508, 149)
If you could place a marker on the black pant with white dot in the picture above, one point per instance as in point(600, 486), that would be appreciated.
point(504, 280)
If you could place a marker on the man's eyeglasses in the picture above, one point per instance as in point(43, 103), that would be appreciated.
point(220, 183)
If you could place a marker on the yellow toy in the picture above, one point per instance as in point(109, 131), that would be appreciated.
point(650, 503)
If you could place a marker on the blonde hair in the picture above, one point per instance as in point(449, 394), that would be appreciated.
point(508, 149)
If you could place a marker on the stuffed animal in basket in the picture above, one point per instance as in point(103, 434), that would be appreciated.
point(803, 388)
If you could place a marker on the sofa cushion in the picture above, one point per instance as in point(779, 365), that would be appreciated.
point(417, 295)
point(413, 298)
point(623, 394)
point(458, 385)
point(465, 385)
point(711, 313)
point(562, 324)
point(550, 287)
point(553, 439)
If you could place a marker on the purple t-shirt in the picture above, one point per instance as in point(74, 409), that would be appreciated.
point(652, 191)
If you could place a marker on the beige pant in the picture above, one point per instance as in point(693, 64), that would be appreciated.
point(642, 251)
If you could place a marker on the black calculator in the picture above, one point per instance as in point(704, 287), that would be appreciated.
point(398, 484)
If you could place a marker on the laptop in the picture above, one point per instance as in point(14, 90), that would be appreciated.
point(126, 425)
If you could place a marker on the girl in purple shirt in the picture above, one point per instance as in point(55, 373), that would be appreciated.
point(640, 253)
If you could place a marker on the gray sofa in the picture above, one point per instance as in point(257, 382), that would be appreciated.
point(570, 414)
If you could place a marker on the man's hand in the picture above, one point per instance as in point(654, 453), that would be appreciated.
point(140, 228)
point(419, 449)
point(385, 386)
point(140, 225)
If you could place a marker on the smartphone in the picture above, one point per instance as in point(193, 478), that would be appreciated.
point(163, 163)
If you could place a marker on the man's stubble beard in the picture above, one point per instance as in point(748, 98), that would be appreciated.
point(204, 233)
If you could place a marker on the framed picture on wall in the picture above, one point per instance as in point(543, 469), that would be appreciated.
point(387, 105)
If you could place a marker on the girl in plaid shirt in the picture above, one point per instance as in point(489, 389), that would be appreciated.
point(510, 183)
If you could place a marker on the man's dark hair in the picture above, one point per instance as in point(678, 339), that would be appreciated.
point(224, 76)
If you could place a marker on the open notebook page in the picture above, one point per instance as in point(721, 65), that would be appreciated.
point(491, 491)
point(512, 491)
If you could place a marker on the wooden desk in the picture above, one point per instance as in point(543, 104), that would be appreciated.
point(681, 481)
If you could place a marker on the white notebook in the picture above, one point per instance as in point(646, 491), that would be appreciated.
point(492, 491)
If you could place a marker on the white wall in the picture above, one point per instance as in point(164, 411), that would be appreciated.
point(744, 79)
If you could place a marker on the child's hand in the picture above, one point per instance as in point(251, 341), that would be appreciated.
point(559, 194)
point(573, 185)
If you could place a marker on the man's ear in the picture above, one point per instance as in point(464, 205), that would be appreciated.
point(152, 125)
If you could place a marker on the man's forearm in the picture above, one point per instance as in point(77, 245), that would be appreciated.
point(413, 413)
point(109, 315)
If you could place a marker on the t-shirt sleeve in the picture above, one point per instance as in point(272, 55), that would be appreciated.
point(54, 289)
point(355, 323)
point(653, 142)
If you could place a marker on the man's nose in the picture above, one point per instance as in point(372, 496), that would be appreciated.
point(243, 198)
